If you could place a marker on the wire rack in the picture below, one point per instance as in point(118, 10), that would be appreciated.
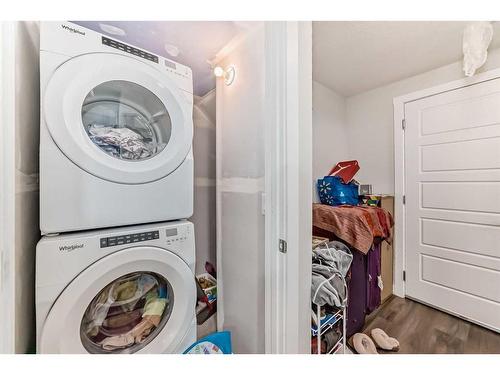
point(327, 323)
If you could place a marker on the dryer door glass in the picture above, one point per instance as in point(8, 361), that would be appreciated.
point(126, 120)
point(127, 314)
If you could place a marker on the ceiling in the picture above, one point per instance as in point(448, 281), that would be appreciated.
point(351, 57)
point(195, 42)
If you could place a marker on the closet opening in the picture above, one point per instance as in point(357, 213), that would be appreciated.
point(400, 213)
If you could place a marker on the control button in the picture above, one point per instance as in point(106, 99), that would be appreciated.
point(120, 242)
point(156, 235)
point(111, 242)
point(104, 242)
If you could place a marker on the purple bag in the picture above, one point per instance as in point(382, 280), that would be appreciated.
point(356, 305)
point(364, 293)
point(373, 295)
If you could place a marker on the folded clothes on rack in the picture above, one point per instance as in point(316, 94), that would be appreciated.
point(331, 263)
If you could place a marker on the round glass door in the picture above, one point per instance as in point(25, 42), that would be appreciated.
point(126, 120)
point(127, 314)
point(118, 118)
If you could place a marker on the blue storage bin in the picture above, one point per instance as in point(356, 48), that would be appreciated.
point(215, 343)
point(334, 192)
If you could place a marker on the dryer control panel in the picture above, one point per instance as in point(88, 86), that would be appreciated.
point(129, 49)
point(176, 235)
point(129, 238)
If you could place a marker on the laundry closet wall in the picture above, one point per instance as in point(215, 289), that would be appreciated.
point(240, 186)
point(329, 126)
point(204, 214)
point(19, 177)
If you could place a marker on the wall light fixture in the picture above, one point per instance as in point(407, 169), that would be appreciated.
point(229, 74)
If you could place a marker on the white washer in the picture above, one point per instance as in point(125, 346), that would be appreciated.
point(97, 291)
point(116, 133)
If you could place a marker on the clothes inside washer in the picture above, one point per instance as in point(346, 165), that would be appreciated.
point(122, 142)
point(124, 293)
point(150, 319)
point(125, 313)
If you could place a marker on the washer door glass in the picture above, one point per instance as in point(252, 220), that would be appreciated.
point(126, 120)
point(127, 314)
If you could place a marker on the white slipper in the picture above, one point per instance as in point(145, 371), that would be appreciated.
point(383, 341)
point(363, 344)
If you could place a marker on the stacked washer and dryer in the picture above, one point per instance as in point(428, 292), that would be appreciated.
point(115, 154)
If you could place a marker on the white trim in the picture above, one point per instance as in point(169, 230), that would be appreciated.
point(218, 207)
point(399, 165)
point(288, 198)
point(275, 49)
point(241, 185)
point(7, 187)
point(399, 208)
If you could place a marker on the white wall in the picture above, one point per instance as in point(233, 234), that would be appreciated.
point(27, 140)
point(370, 122)
point(19, 240)
point(240, 183)
point(330, 133)
point(204, 213)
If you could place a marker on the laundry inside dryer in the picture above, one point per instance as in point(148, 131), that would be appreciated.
point(126, 120)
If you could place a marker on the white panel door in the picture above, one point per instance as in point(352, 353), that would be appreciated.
point(452, 172)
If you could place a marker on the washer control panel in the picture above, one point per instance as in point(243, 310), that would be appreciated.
point(129, 238)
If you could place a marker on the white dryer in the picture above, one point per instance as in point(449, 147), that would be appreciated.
point(116, 133)
point(121, 290)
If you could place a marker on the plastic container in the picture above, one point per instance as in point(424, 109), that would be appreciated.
point(216, 343)
point(210, 292)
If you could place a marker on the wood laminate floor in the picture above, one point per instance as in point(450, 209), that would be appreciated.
point(423, 330)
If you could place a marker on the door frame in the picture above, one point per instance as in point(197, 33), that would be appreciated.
point(288, 176)
point(399, 166)
point(287, 195)
point(7, 186)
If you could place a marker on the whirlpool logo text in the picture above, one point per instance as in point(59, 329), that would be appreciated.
point(73, 30)
point(70, 247)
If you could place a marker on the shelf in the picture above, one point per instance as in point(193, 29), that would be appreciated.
point(340, 349)
point(336, 347)
point(327, 322)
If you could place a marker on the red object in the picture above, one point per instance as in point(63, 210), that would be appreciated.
point(346, 170)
